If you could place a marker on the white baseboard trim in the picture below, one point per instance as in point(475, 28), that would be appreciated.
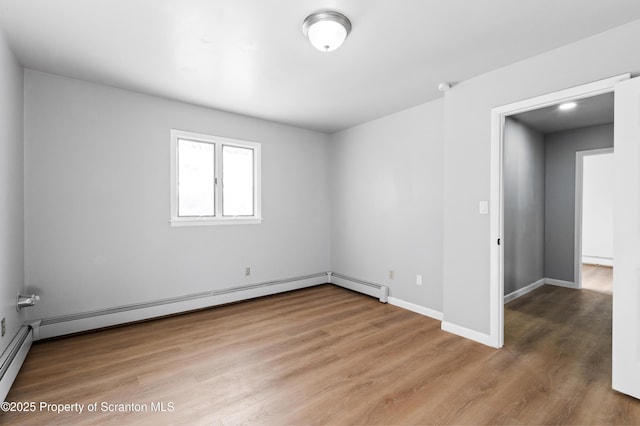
point(467, 333)
point(12, 358)
point(560, 283)
point(68, 324)
point(599, 261)
point(422, 310)
point(524, 290)
point(521, 292)
point(378, 291)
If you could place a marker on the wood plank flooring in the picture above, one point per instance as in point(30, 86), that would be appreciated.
point(326, 355)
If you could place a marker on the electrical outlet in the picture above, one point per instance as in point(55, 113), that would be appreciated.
point(418, 279)
point(4, 327)
point(392, 274)
point(247, 271)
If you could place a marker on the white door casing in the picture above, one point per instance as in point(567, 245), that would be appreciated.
point(496, 257)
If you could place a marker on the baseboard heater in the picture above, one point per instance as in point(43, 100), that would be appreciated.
point(92, 320)
point(376, 290)
point(13, 357)
point(84, 321)
point(15, 354)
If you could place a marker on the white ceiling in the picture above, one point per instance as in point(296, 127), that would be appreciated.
point(590, 111)
point(250, 56)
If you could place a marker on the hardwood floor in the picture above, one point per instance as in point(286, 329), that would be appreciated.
point(325, 355)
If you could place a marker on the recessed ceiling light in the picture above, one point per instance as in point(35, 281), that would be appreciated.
point(567, 106)
point(326, 30)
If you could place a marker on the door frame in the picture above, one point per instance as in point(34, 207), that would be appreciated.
point(580, 155)
point(496, 207)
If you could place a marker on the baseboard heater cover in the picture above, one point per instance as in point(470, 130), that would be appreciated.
point(84, 321)
point(381, 292)
point(13, 357)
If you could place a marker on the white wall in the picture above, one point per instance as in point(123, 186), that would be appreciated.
point(597, 208)
point(97, 200)
point(386, 186)
point(467, 154)
point(11, 191)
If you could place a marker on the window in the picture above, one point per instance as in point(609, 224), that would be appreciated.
point(214, 180)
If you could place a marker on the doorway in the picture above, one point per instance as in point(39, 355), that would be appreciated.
point(626, 295)
point(594, 219)
point(549, 155)
point(499, 116)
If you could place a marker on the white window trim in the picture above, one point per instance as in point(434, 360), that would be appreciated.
point(216, 220)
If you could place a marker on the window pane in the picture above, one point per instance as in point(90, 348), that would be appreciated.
point(237, 180)
point(195, 178)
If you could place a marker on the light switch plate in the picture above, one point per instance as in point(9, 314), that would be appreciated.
point(484, 207)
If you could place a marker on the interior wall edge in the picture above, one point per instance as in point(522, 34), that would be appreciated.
point(12, 258)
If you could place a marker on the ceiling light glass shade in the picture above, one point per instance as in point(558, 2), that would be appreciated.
point(326, 30)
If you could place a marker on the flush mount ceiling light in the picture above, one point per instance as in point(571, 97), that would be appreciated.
point(326, 30)
point(567, 106)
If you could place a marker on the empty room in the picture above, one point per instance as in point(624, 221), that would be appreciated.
point(319, 212)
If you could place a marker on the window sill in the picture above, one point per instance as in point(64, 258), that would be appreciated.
point(196, 221)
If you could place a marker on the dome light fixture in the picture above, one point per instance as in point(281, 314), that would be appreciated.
point(326, 30)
